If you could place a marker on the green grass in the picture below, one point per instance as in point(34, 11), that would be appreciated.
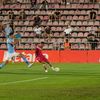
point(73, 82)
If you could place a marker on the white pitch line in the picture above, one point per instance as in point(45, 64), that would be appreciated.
point(14, 82)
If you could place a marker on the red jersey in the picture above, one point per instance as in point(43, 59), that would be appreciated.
point(39, 56)
point(38, 51)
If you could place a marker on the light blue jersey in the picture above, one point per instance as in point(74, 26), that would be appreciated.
point(8, 30)
point(10, 47)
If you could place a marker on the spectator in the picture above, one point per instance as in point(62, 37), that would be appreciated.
point(44, 5)
point(66, 44)
point(52, 17)
point(11, 15)
point(68, 31)
point(38, 31)
point(37, 20)
point(92, 15)
point(48, 32)
point(34, 3)
point(22, 14)
point(90, 36)
point(94, 43)
point(57, 15)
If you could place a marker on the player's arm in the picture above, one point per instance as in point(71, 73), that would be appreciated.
point(15, 42)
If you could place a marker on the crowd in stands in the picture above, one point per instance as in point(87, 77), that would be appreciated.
point(62, 24)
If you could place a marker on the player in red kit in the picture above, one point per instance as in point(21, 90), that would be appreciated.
point(41, 58)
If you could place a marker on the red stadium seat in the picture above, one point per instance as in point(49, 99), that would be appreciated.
point(91, 6)
point(84, 40)
point(50, 46)
point(75, 17)
point(74, 34)
point(81, 17)
point(75, 46)
point(82, 46)
point(91, 23)
point(97, 23)
point(78, 40)
point(72, 40)
point(79, 23)
point(56, 34)
point(97, 6)
point(86, 34)
point(80, 34)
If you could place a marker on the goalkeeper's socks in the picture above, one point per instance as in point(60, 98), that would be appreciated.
point(25, 60)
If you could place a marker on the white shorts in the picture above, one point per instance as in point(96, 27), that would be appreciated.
point(10, 55)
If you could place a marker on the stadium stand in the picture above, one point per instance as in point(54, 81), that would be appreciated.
point(75, 12)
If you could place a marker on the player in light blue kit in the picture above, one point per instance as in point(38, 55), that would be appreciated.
point(11, 51)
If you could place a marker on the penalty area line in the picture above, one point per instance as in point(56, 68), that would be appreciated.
point(23, 81)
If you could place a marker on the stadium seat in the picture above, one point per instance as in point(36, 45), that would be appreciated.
point(50, 46)
point(36, 40)
point(46, 46)
point(85, 23)
point(81, 17)
point(78, 40)
point(80, 34)
point(76, 12)
point(27, 46)
point(86, 34)
point(84, 40)
point(56, 34)
point(3, 46)
point(75, 17)
point(72, 40)
point(74, 46)
point(97, 23)
point(74, 34)
point(82, 47)
point(97, 6)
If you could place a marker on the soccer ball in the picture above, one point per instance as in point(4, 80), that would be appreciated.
point(57, 69)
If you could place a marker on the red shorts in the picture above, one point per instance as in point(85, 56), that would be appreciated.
point(41, 59)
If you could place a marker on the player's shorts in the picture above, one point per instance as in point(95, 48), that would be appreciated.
point(10, 55)
point(41, 59)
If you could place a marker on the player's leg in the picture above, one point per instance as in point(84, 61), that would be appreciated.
point(45, 60)
point(3, 64)
point(13, 59)
point(50, 65)
point(25, 60)
point(45, 67)
point(5, 61)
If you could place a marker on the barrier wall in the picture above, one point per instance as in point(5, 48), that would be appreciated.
point(70, 56)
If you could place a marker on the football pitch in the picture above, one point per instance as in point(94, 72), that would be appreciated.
point(73, 82)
